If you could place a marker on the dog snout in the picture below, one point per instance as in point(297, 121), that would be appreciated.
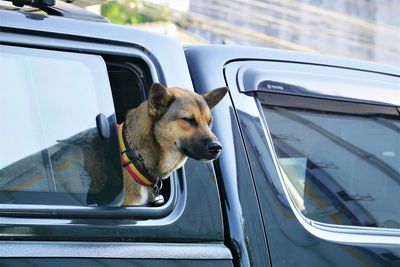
point(214, 148)
point(201, 149)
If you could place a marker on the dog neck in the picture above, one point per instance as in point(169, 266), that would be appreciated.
point(132, 161)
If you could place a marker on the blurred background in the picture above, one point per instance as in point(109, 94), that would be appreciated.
point(360, 29)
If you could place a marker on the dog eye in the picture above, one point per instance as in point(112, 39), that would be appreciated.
point(191, 121)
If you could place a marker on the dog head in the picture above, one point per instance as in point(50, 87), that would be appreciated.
point(183, 121)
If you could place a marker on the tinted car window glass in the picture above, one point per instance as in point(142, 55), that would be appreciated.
point(50, 149)
point(339, 168)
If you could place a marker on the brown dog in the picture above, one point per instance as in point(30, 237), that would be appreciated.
point(161, 133)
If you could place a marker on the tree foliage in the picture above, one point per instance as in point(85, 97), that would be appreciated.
point(129, 12)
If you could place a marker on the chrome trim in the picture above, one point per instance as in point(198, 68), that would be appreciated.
point(120, 250)
point(91, 212)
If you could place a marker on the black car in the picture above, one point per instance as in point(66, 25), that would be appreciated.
point(309, 174)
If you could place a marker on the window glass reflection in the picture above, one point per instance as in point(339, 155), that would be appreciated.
point(48, 140)
point(339, 168)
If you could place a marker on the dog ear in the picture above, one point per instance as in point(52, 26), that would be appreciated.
point(159, 100)
point(212, 98)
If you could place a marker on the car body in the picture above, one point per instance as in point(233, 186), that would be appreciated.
point(240, 210)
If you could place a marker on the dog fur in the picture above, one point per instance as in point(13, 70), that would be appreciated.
point(171, 126)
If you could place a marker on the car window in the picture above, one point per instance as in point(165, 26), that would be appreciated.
point(339, 168)
point(49, 138)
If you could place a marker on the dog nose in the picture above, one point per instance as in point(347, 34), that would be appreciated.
point(214, 147)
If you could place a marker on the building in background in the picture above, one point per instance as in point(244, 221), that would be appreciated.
point(360, 29)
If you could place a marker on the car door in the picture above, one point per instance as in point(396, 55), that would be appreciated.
point(322, 145)
point(57, 76)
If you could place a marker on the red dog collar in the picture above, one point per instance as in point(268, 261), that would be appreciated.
point(132, 165)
